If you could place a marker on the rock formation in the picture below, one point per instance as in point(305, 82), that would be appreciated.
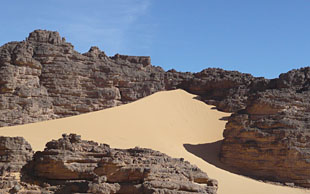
point(15, 152)
point(44, 78)
point(72, 165)
point(267, 135)
point(270, 138)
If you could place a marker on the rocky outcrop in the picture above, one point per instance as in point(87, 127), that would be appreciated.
point(15, 152)
point(22, 98)
point(227, 90)
point(269, 139)
point(267, 135)
point(72, 165)
point(44, 78)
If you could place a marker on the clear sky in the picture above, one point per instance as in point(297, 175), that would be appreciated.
point(261, 37)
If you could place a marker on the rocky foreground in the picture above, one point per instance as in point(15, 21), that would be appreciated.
point(72, 165)
point(266, 137)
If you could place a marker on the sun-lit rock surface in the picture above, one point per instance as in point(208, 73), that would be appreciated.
point(71, 165)
point(44, 78)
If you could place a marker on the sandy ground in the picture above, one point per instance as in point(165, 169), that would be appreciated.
point(172, 122)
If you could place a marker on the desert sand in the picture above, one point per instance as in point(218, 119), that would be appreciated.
point(173, 122)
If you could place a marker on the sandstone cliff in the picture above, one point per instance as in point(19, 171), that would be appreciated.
point(44, 78)
point(72, 165)
point(267, 136)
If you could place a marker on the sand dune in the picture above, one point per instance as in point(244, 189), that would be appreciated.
point(171, 122)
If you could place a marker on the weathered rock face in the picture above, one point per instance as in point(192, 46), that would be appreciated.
point(227, 90)
point(15, 152)
point(44, 78)
point(22, 98)
point(270, 138)
point(72, 165)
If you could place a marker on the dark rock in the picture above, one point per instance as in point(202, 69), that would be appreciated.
point(269, 139)
point(45, 78)
point(145, 61)
point(45, 36)
point(267, 135)
point(73, 165)
point(228, 90)
point(15, 152)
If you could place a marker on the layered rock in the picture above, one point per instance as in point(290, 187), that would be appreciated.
point(269, 139)
point(72, 165)
point(22, 98)
point(44, 78)
point(15, 152)
point(227, 90)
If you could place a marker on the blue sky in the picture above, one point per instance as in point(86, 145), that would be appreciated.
point(264, 37)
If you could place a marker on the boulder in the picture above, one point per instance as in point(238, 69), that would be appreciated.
point(71, 164)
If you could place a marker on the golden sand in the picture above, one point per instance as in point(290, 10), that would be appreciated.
point(173, 122)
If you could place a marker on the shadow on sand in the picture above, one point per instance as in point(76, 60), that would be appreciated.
point(209, 152)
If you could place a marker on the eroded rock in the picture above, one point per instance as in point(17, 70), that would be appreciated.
point(269, 139)
point(15, 152)
point(73, 165)
point(44, 78)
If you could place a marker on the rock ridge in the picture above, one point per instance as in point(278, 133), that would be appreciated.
point(267, 135)
point(269, 138)
point(73, 165)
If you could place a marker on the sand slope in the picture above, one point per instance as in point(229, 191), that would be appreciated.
point(165, 122)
